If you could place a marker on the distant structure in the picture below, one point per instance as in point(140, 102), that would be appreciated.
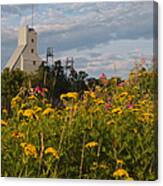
point(25, 57)
point(50, 55)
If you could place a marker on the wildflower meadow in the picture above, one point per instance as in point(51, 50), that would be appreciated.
point(106, 132)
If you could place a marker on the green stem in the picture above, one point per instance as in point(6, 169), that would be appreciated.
point(60, 148)
point(82, 156)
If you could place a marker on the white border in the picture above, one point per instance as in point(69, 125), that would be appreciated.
point(59, 182)
point(57, 1)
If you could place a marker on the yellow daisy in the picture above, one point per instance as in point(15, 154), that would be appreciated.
point(47, 111)
point(51, 150)
point(91, 144)
point(120, 173)
point(29, 149)
point(117, 111)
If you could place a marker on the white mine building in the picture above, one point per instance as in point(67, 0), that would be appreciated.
point(25, 57)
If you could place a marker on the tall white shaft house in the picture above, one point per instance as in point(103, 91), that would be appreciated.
point(25, 57)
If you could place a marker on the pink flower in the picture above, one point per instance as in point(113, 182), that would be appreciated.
point(121, 84)
point(39, 90)
point(130, 106)
point(102, 76)
point(107, 106)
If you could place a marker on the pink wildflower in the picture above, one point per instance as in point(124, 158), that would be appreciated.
point(39, 90)
point(130, 106)
point(107, 106)
point(102, 76)
point(121, 84)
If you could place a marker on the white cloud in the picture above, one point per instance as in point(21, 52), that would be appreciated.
point(109, 30)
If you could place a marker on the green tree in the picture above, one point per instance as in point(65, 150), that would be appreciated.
point(11, 82)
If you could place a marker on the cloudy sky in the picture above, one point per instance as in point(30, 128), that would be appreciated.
point(104, 37)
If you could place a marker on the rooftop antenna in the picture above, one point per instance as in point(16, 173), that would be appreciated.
point(32, 13)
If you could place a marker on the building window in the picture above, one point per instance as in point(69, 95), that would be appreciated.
point(34, 62)
point(32, 40)
point(32, 50)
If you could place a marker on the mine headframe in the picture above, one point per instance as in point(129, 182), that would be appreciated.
point(69, 68)
point(50, 55)
point(69, 63)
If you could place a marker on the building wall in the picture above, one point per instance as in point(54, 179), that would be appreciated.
point(25, 57)
point(18, 64)
point(22, 37)
point(31, 60)
point(29, 67)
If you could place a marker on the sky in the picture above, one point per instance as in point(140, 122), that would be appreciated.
point(107, 37)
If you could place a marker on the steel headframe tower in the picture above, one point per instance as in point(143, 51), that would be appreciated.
point(69, 64)
point(50, 55)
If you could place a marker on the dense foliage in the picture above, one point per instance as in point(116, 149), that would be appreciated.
point(10, 85)
point(108, 132)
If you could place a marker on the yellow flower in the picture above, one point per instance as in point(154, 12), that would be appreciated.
point(117, 111)
point(140, 74)
point(144, 102)
point(68, 108)
point(51, 150)
point(94, 166)
point(48, 105)
point(130, 98)
point(90, 94)
point(135, 109)
point(4, 111)
point(114, 80)
point(17, 134)
point(73, 95)
point(96, 110)
point(37, 109)
point(29, 113)
point(98, 88)
point(47, 111)
point(120, 162)
point(23, 105)
point(20, 112)
point(24, 123)
point(136, 88)
point(103, 166)
point(15, 100)
point(62, 96)
point(4, 123)
point(135, 130)
point(29, 149)
point(91, 144)
point(99, 101)
point(120, 173)
point(111, 122)
point(32, 97)
point(147, 117)
point(72, 108)
point(123, 94)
